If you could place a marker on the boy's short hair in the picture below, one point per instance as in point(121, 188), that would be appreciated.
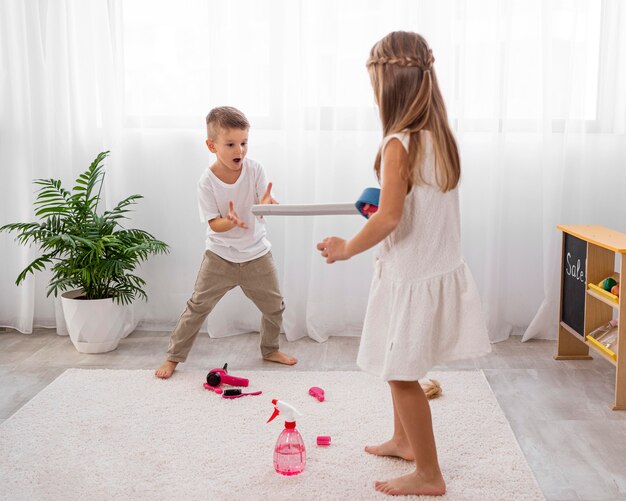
point(225, 117)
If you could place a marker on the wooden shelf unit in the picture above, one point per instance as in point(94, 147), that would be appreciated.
point(601, 245)
point(602, 298)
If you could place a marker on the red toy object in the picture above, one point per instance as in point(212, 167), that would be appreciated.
point(368, 202)
point(367, 210)
point(216, 389)
point(317, 393)
point(290, 451)
point(323, 440)
point(220, 376)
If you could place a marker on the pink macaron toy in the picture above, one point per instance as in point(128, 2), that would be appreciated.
point(317, 393)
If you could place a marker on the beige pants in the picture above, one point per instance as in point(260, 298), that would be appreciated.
point(259, 282)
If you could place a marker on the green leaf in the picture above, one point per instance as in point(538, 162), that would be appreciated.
point(37, 264)
point(85, 249)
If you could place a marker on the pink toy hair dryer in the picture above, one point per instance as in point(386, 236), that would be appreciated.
point(220, 376)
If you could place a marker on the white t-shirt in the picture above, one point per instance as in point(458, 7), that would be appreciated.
point(237, 245)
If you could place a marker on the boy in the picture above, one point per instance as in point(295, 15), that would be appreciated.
point(237, 252)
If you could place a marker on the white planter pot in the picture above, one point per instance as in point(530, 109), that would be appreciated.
point(59, 318)
point(95, 325)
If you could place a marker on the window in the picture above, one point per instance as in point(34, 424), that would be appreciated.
point(502, 65)
point(182, 58)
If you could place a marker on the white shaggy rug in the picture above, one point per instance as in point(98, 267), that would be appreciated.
point(123, 434)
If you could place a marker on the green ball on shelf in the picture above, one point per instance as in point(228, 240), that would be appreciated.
point(608, 283)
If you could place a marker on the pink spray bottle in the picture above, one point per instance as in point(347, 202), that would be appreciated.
point(289, 453)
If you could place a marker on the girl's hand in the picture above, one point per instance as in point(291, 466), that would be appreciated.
point(267, 198)
point(233, 217)
point(334, 249)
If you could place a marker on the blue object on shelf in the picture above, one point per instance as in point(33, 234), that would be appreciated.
point(369, 196)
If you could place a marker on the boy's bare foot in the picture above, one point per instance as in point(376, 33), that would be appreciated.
point(166, 370)
point(413, 483)
point(392, 448)
point(280, 358)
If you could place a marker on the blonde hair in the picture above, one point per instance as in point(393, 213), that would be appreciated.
point(225, 117)
point(408, 97)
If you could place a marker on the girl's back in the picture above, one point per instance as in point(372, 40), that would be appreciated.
point(424, 308)
point(427, 241)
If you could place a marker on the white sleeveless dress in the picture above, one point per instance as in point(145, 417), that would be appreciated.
point(424, 308)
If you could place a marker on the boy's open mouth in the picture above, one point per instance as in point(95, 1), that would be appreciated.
point(236, 160)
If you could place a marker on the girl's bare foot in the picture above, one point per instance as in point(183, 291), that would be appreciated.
point(393, 448)
point(432, 389)
point(166, 370)
point(280, 358)
point(412, 484)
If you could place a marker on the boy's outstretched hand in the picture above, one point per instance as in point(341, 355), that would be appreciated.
point(267, 198)
point(334, 249)
point(233, 217)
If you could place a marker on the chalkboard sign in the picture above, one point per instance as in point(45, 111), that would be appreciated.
point(574, 277)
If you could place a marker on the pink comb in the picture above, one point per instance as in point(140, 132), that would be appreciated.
point(217, 390)
point(239, 394)
point(317, 393)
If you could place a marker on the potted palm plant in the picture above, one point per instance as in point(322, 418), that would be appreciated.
point(91, 256)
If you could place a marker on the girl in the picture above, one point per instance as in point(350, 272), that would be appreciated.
point(424, 308)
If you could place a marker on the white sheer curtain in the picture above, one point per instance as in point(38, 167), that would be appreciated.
point(535, 91)
point(57, 103)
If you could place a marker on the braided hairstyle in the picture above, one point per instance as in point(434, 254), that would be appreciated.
point(408, 97)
